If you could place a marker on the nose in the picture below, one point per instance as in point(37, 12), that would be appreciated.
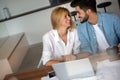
point(68, 17)
point(77, 14)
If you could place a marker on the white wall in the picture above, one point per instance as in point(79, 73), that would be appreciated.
point(20, 6)
point(37, 24)
point(114, 7)
point(34, 25)
point(1, 10)
point(3, 30)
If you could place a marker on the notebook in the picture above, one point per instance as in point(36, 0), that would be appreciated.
point(73, 69)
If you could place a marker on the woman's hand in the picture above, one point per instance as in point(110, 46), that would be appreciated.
point(50, 62)
point(68, 57)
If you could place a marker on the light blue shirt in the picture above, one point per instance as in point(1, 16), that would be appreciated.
point(110, 26)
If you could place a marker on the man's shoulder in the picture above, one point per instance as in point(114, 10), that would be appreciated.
point(108, 14)
point(82, 26)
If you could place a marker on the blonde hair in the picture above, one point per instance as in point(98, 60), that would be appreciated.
point(56, 16)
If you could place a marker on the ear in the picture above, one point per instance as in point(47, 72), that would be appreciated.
point(88, 11)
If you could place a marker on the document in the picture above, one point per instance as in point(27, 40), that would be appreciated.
point(107, 70)
point(87, 78)
point(47, 78)
point(55, 78)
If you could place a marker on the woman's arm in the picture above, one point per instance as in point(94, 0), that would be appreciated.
point(50, 62)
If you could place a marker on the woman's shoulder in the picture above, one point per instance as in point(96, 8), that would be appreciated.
point(49, 33)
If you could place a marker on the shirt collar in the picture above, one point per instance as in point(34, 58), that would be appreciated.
point(56, 36)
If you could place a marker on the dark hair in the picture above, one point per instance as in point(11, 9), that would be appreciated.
point(85, 4)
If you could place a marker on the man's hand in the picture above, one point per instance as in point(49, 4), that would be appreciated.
point(68, 57)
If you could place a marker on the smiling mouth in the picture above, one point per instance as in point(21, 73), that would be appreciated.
point(68, 21)
point(80, 18)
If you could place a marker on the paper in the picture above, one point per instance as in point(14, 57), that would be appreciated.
point(107, 70)
point(87, 78)
point(47, 78)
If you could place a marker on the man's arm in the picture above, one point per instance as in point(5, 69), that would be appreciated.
point(117, 28)
point(84, 39)
point(117, 25)
point(119, 47)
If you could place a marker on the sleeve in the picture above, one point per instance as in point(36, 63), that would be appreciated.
point(83, 36)
point(47, 49)
point(76, 46)
point(117, 25)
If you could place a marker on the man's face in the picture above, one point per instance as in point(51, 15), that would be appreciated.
point(81, 14)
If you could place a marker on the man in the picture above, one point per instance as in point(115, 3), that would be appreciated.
point(97, 31)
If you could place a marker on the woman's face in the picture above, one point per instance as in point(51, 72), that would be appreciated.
point(65, 20)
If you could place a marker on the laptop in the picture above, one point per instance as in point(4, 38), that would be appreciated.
point(72, 70)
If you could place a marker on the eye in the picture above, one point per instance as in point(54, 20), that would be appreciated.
point(66, 15)
point(77, 12)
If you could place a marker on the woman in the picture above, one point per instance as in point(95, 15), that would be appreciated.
point(61, 42)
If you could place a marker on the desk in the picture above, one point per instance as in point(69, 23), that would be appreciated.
point(36, 74)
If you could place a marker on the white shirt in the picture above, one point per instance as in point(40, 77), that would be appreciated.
point(54, 47)
point(101, 40)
